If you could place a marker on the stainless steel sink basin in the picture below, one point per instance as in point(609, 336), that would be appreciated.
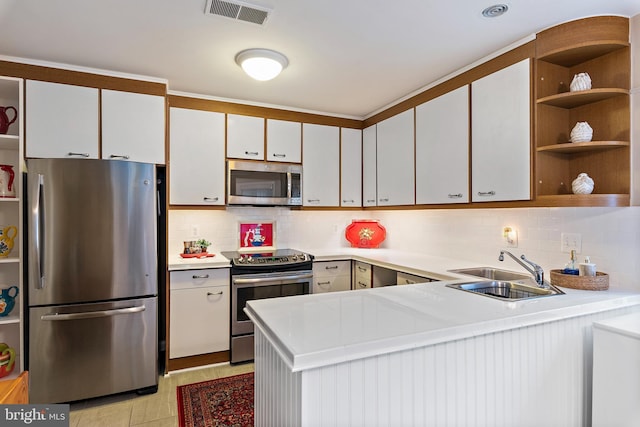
point(505, 290)
point(493, 273)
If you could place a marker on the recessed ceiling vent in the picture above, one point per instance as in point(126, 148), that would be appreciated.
point(238, 10)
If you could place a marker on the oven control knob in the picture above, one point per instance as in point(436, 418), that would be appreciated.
point(250, 259)
point(294, 257)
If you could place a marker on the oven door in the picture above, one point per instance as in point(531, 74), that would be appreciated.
point(249, 287)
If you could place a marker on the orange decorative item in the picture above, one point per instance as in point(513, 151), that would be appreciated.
point(7, 359)
point(365, 233)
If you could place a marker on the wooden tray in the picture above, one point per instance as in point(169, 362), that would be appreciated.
point(599, 282)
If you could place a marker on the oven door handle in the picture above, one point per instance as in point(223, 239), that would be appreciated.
point(245, 281)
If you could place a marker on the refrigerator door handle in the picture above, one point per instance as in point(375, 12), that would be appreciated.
point(93, 314)
point(38, 212)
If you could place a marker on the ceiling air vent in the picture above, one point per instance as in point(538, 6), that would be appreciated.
point(238, 10)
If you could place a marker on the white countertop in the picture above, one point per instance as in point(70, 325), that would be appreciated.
point(176, 262)
point(317, 330)
point(628, 325)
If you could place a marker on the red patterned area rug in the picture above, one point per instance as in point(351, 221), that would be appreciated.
point(217, 403)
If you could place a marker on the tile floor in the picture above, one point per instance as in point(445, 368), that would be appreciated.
point(157, 410)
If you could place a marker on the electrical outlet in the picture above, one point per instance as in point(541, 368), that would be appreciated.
point(571, 241)
point(510, 237)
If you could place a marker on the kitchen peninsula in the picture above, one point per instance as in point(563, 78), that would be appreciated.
point(426, 355)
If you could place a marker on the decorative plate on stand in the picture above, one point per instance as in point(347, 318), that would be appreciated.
point(365, 233)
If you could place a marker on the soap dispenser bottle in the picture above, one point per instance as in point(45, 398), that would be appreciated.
point(571, 267)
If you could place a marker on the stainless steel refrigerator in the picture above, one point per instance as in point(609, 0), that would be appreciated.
point(92, 278)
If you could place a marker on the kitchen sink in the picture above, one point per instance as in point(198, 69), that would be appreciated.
point(493, 273)
point(505, 290)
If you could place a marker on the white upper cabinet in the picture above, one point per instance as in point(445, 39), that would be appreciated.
point(284, 141)
point(133, 126)
point(245, 137)
point(395, 144)
point(321, 162)
point(442, 149)
point(196, 153)
point(61, 120)
point(501, 139)
point(369, 169)
point(350, 167)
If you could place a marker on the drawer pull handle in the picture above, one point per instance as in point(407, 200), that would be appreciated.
point(118, 156)
point(385, 199)
point(210, 199)
point(371, 200)
point(251, 153)
point(362, 269)
point(455, 196)
point(486, 193)
point(313, 200)
point(323, 283)
point(279, 155)
point(331, 267)
point(209, 294)
point(204, 276)
point(348, 201)
point(362, 285)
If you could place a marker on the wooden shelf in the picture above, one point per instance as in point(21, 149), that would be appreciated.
point(577, 54)
point(583, 200)
point(576, 147)
point(583, 97)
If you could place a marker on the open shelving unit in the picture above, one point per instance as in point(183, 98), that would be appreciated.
point(600, 47)
point(11, 153)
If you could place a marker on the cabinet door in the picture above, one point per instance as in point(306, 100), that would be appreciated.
point(133, 126)
point(199, 321)
point(245, 137)
point(369, 169)
point(284, 141)
point(351, 168)
point(61, 120)
point(321, 162)
point(396, 178)
point(196, 149)
point(501, 137)
point(442, 149)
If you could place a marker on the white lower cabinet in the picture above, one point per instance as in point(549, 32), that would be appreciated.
point(331, 276)
point(362, 275)
point(199, 312)
point(403, 278)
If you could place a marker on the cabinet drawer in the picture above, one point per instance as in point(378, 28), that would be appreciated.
point(331, 268)
point(199, 320)
point(362, 275)
point(410, 279)
point(199, 278)
point(331, 284)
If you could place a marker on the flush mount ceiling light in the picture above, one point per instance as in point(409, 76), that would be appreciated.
point(262, 64)
point(495, 10)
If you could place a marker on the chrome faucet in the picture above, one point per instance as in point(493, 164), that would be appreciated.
point(536, 271)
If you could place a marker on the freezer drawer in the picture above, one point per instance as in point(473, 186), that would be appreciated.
point(89, 350)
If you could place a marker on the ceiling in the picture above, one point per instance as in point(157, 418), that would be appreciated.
point(348, 58)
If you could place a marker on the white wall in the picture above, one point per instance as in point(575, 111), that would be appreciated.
point(610, 236)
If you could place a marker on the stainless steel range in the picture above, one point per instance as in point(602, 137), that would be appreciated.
point(279, 273)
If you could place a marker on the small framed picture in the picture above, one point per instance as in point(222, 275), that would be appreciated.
point(257, 236)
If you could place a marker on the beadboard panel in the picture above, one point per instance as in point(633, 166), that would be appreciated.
point(531, 376)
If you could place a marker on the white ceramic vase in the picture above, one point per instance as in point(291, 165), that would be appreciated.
point(581, 132)
point(581, 81)
point(583, 184)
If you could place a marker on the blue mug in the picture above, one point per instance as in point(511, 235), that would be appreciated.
point(8, 300)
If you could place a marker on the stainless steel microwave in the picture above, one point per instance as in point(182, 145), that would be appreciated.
point(263, 183)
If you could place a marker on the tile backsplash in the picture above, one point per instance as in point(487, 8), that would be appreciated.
point(610, 236)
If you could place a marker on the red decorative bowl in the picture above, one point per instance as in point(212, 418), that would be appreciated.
point(365, 233)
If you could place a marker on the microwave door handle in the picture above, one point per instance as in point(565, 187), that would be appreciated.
point(288, 185)
point(39, 221)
